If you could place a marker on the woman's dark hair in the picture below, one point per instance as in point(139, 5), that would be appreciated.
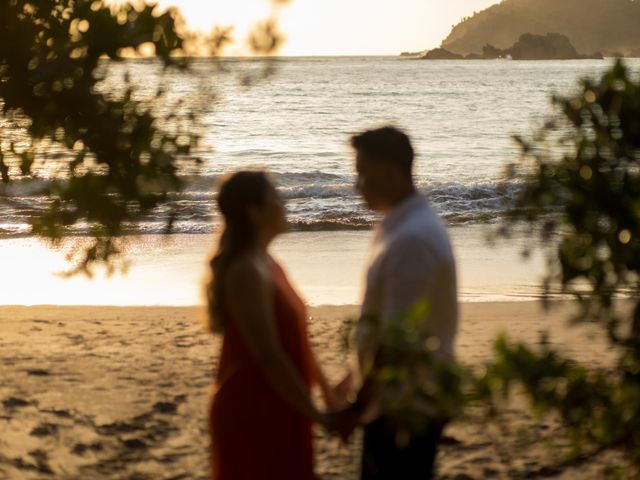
point(238, 193)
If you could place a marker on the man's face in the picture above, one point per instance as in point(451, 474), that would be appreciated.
point(372, 181)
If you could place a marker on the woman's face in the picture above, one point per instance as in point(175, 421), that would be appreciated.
point(271, 216)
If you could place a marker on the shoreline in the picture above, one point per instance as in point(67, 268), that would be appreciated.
point(517, 300)
point(325, 267)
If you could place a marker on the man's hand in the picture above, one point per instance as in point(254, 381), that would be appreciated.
point(344, 389)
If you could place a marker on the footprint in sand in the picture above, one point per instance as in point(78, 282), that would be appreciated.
point(165, 407)
point(41, 464)
point(15, 402)
point(81, 448)
point(44, 430)
point(118, 428)
point(541, 472)
point(58, 413)
point(134, 444)
point(490, 472)
point(170, 458)
point(74, 339)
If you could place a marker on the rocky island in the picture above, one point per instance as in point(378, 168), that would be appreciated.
point(552, 46)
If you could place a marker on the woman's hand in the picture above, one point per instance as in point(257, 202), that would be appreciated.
point(337, 397)
point(341, 392)
point(331, 400)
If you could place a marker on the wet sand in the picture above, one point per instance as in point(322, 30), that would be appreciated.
point(122, 393)
point(328, 268)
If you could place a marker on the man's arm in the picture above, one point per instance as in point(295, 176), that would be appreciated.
point(408, 277)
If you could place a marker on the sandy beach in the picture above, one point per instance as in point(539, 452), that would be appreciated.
point(121, 393)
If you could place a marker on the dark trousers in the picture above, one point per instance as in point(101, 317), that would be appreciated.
point(384, 458)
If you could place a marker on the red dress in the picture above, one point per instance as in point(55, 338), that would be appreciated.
point(255, 434)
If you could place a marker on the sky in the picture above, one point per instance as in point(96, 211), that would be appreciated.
point(337, 27)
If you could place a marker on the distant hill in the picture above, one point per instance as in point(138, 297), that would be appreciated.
point(607, 26)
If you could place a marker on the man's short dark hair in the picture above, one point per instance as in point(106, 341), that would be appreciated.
point(387, 144)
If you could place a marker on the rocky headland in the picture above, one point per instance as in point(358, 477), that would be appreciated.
point(520, 29)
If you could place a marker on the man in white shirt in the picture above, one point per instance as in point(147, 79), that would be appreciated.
point(411, 269)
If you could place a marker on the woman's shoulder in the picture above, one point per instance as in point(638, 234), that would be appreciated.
point(247, 268)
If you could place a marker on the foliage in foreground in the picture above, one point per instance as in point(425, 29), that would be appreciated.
point(581, 175)
point(126, 154)
point(124, 164)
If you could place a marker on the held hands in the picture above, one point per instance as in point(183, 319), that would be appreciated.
point(341, 419)
point(336, 397)
point(343, 390)
point(343, 423)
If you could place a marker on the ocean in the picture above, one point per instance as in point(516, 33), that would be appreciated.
point(296, 123)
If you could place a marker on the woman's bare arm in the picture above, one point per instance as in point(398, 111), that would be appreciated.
point(249, 296)
point(330, 398)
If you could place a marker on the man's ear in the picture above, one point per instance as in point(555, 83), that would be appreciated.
point(390, 173)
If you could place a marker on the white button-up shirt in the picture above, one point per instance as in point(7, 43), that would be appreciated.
point(411, 262)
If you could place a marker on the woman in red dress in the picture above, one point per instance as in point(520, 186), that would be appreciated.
point(261, 412)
